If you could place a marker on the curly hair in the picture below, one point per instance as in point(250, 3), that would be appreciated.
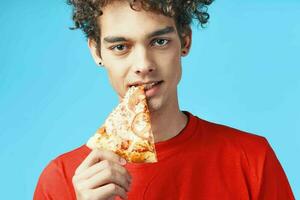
point(86, 12)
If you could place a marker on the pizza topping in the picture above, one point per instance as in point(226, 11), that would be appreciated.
point(135, 99)
point(142, 147)
point(125, 144)
point(137, 157)
point(141, 125)
point(102, 131)
point(127, 130)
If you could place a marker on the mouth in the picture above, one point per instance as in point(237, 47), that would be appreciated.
point(151, 87)
point(147, 85)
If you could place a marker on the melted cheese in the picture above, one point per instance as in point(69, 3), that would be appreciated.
point(118, 127)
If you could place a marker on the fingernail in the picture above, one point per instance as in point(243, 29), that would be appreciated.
point(122, 161)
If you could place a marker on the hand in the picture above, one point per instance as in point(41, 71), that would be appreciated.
point(101, 176)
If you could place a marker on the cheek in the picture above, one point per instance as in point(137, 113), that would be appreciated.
point(172, 66)
point(115, 69)
point(117, 78)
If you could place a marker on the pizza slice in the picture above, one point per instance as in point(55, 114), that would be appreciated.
point(127, 130)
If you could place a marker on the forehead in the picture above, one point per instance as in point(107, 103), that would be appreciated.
point(119, 19)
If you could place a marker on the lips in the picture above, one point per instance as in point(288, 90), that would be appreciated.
point(147, 85)
point(151, 85)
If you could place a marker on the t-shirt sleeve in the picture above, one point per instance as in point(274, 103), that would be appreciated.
point(52, 184)
point(274, 184)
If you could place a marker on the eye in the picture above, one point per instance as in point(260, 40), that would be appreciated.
point(119, 47)
point(160, 42)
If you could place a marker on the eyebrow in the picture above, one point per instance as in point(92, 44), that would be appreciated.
point(168, 29)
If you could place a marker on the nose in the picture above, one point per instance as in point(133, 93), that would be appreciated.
point(143, 63)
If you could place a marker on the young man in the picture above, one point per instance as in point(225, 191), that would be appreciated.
point(142, 42)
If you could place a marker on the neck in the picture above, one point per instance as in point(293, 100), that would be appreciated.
point(168, 122)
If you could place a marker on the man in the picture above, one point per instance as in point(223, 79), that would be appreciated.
point(142, 42)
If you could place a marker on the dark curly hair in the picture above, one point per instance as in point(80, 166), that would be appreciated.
point(85, 13)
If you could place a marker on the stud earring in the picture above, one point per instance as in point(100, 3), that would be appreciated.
point(100, 64)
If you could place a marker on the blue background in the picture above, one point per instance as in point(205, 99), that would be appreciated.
point(243, 71)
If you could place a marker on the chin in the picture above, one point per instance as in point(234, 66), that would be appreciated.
point(154, 105)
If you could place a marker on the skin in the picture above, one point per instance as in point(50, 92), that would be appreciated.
point(145, 48)
point(101, 176)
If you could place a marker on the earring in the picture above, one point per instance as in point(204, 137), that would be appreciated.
point(183, 52)
point(100, 64)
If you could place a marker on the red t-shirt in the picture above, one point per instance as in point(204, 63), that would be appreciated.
point(204, 161)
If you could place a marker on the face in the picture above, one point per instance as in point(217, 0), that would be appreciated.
point(139, 47)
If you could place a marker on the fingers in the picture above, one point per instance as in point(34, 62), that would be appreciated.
point(101, 176)
point(101, 166)
point(107, 176)
point(110, 190)
point(96, 156)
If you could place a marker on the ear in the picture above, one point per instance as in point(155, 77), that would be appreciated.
point(94, 52)
point(186, 41)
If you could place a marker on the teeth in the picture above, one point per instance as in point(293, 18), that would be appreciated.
point(150, 85)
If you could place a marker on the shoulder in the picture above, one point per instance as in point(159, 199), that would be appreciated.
point(56, 179)
point(65, 164)
point(250, 154)
point(69, 161)
point(222, 137)
point(75, 155)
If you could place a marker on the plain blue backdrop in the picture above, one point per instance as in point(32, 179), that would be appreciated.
point(243, 71)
